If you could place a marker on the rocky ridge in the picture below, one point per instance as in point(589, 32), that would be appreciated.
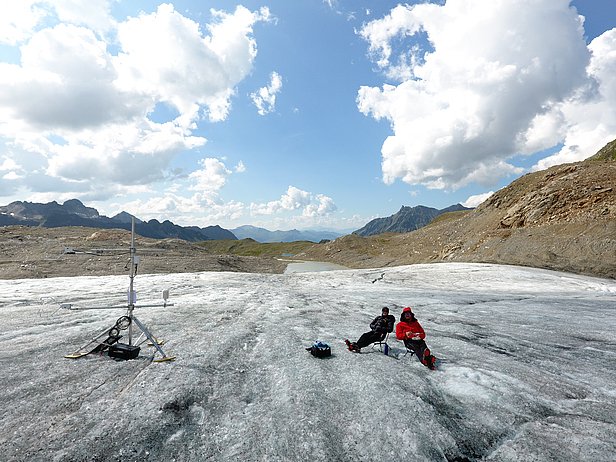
point(74, 213)
point(562, 218)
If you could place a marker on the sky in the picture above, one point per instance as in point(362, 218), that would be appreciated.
point(304, 114)
point(528, 364)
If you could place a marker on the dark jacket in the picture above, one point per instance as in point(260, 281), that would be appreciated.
point(383, 324)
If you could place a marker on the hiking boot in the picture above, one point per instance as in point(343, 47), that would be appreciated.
point(352, 346)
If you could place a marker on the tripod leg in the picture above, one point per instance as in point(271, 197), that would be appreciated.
point(151, 338)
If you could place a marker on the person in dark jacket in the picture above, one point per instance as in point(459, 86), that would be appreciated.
point(379, 328)
point(410, 331)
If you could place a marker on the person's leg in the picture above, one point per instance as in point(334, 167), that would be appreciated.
point(414, 346)
point(367, 338)
point(424, 355)
point(422, 351)
point(428, 359)
point(352, 346)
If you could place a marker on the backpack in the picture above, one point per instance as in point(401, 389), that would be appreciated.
point(320, 349)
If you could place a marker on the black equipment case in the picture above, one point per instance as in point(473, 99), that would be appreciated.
point(123, 351)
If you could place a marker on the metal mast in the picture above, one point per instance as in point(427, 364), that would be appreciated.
point(131, 292)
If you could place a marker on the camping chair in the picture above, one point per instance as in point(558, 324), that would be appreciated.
point(381, 343)
point(406, 350)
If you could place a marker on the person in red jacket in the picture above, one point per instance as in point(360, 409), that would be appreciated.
point(410, 331)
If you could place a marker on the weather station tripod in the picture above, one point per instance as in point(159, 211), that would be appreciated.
point(108, 340)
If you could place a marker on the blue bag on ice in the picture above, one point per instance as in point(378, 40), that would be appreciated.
point(320, 349)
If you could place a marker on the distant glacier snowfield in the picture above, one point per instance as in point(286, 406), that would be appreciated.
point(528, 368)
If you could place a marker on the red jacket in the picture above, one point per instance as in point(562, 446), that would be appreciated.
point(405, 330)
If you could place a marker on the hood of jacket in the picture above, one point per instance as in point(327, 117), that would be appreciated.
point(407, 310)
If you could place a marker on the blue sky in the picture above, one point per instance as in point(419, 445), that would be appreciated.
point(296, 114)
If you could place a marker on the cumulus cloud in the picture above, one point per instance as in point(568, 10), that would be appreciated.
point(295, 199)
point(18, 20)
point(205, 206)
point(479, 82)
point(587, 120)
point(93, 14)
point(166, 55)
point(265, 98)
point(8, 165)
point(212, 177)
point(196, 210)
point(11, 176)
point(474, 201)
point(77, 108)
point(323, 206)
point(65, 82)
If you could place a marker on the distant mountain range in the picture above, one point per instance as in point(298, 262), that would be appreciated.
point(264, 235)
point(405, 220)
point(74, 213)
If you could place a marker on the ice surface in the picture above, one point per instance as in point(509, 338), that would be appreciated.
point(311, 266)
point(528, 371)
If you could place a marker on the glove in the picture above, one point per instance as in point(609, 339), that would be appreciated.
point(412, 336)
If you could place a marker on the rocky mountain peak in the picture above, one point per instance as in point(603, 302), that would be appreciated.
point(76, 206)
point(405, 220)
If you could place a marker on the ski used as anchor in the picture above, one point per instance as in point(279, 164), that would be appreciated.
point(96, 345)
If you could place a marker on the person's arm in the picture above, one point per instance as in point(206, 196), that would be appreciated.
point(390, 323)
point(421, 332)
point(374, 323)
point(415, 332)
point(401, 330)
